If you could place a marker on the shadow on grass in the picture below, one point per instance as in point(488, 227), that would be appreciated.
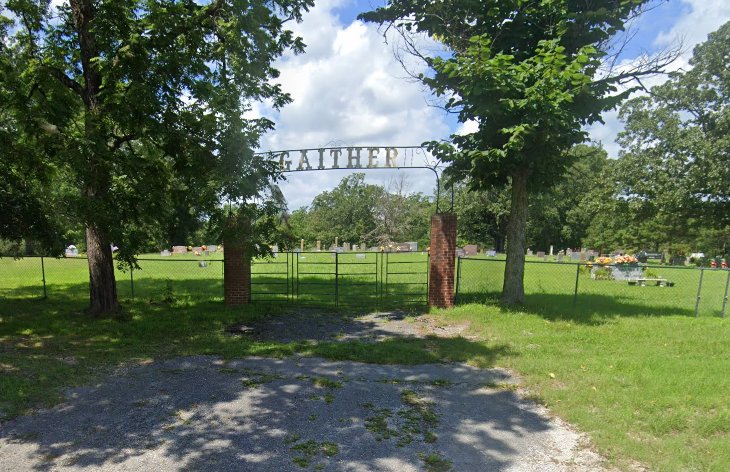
point(591, 309)
point(197, 414)
point(46, 345)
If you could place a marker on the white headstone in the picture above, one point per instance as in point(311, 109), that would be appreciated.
point(492, 253)
point(165, 253)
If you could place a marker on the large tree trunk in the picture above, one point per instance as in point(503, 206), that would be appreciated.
point(513, 290)
point(102, 285)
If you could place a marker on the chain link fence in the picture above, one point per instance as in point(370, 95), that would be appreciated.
point(602, 290)
point(552, 287)
point(162, 279)
point(371, 279)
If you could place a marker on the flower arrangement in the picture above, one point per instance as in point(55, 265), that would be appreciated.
point(626, 260)
point(603, 260)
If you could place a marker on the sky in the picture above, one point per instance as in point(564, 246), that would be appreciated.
point(348, 89)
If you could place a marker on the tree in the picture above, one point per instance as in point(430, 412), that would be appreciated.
point(401, 216)
point(364, 213)
point(558, 216)
point(676, 140)
point(139, 101)
point(671, 178)
point(529, 75)
point(347, 212)
point(561, 214)
point(482, 215)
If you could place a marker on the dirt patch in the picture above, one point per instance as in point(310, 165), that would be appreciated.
point(317, 325)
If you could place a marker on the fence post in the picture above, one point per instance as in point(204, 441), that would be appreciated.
point(699, 293)
point(724, 300)
point(131, 280)
point(337, 279)
point(577, 278)
point(458, 279)
point(43, 274)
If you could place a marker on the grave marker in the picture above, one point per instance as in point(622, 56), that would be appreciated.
point(471, 250)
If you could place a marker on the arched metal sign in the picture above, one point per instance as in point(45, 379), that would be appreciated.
point(358, 158)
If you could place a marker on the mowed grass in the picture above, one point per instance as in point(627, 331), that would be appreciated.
point(630, 366)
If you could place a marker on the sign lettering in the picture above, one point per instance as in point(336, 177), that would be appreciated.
point(356, 157)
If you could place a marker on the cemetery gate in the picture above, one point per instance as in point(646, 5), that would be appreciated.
point(349, 279)
point(365, 279)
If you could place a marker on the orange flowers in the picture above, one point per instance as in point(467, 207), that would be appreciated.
point(626, 260)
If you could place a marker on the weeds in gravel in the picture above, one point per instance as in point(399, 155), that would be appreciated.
point(310, 449)
point(435, 463)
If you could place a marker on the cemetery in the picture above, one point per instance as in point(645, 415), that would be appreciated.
point(186, 285)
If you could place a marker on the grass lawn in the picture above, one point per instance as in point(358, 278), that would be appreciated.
point(630, 366)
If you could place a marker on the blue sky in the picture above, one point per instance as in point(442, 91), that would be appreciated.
point(348, 89)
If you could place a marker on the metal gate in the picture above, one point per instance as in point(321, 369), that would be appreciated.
point(367, 279)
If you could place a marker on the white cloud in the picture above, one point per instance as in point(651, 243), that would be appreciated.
point(701, 18)
point(347, 89)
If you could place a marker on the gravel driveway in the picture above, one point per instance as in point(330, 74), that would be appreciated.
point(298, 413)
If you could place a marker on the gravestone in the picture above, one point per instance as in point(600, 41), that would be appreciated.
point(574, 256)
point(319, 245)
point(340, 249)
point(471, 250)
point(560, 256)
point(71, 251)
point(275, 248)
point(491, 253)
point(202, 263)
point(413, 245)
point(360, 256)
point(355, 247)
point(197, 250)
point(529, 252)
point(582, 257)
point(179, 250)
point(551, 249)
point(165, 253)
point(540, 254)
point(404, 247)
point(346, 246)
point(212, 248)
point(545, 258)
point(460, 252)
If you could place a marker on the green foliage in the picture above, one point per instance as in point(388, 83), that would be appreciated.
point(670, 188)
point(363, 213)
point(129, 115)
point(558, 216)
point(526, 74)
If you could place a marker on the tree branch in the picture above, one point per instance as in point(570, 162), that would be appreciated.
point(66, 80)
point(120, 140)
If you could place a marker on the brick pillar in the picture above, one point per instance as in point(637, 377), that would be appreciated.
point(443, 260)
point(236, 276)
